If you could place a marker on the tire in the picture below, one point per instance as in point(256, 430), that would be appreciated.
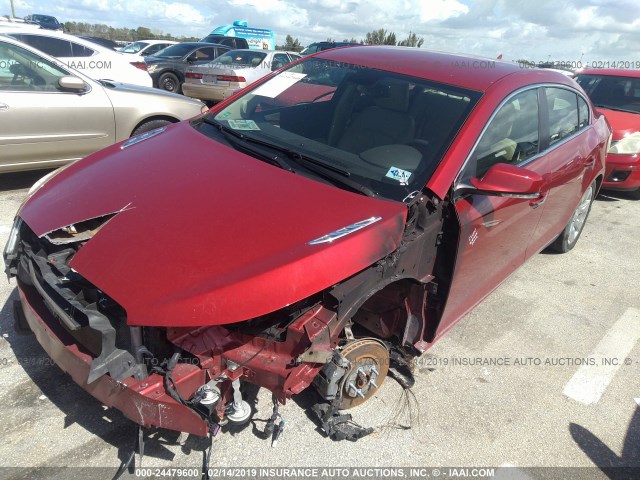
point(149, 125)
point(571, 233)
point(169, 82)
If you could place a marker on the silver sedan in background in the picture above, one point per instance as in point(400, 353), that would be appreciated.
point(52, 115)
point(232, 71)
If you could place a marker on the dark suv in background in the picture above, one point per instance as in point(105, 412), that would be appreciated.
point(45, 21)
point(235, 43)
point(319, 46)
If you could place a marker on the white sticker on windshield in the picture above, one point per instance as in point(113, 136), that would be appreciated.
point(279, 84)
point(243, 125)
point(398, 174)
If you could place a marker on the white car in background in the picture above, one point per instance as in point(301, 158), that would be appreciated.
point(146, 48)
point(232, 71)
point(95, 61)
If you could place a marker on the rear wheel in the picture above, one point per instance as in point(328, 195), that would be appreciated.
point(571, 233)
point(169, 82)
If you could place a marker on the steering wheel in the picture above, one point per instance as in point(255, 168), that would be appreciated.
point(23, 71)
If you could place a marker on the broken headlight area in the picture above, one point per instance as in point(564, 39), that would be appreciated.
point(90, 316)
point(189, 378)
point(200, 369)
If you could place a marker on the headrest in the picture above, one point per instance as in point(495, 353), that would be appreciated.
point(391, 95)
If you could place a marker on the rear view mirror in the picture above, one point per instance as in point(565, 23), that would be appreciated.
point(71, 83)
point(505, 180)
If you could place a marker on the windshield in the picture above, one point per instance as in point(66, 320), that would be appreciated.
point(385, 131)
point(45, 19)
point(134, 47)
point(240, 58)
point(612, 92)
point(178, 50)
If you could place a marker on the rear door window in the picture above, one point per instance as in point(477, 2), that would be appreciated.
point(205, 53)
point(56, 47)
point(155, 48)
point(78, 50)
point(583, 112)
point(563, 113)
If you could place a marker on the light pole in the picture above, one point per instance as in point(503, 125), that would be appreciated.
point(13, 10)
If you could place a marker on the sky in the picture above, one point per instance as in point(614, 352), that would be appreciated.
point(535, 30)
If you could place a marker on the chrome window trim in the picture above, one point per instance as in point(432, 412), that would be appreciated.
point(458, 178)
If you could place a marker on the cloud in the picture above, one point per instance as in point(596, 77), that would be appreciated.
point(183, 13)
point(441, 10)
point(602, 29)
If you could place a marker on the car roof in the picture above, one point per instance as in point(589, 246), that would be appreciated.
point(613, 72)
point(20, 25)
point(72, 71)
point(467, 71)
point(43, 15)
point(63, 35)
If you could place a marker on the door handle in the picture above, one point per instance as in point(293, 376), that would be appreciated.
point(4, 107)
point(589, 163)
point(538, 201)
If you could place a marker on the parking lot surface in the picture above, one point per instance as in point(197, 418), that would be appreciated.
point(544, 373)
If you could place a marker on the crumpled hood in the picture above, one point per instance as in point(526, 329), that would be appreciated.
point(206, 235)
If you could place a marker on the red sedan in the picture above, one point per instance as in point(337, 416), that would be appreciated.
point(320, 238)
point(616, 93)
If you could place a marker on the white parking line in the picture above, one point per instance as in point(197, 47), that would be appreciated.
point(590, 381)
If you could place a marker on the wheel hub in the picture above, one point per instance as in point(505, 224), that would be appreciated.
point(369, 360)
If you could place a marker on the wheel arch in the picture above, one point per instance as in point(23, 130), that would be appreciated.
point(151, 118)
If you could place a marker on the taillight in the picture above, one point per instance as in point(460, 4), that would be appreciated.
point(140, 65)
point(197, 76)
point(230, 78)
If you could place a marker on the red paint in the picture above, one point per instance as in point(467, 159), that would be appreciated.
point(622, 124)
point(208, 235)
point(144, 402)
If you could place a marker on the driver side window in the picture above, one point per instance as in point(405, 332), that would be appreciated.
point(22, 70)
point(511, 137)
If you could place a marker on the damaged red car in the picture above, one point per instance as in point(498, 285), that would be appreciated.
point(317, 229)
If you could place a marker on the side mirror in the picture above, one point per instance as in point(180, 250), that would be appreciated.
point(505, 180)
point(72, 84)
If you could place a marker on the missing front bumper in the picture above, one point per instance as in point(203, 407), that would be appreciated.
point(143, 401)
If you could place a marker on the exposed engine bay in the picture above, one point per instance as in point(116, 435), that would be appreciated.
point(344, 340)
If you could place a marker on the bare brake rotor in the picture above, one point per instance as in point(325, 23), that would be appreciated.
point(369, 366)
